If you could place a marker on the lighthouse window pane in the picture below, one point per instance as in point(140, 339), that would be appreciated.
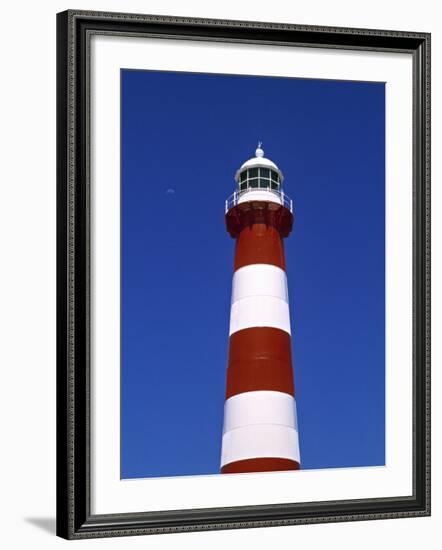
point(253, 173)
point(264, 184)
point(275, 176)
point(264, 173)
point(243, 176)
point(275, 185)
point(243, 186)
point(253, 183)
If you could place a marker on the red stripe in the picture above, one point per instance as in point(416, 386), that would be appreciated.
point(259, 244)
point(260, 359)
point(260, 465)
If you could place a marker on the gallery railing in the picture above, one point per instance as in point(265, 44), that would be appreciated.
point(283, 199)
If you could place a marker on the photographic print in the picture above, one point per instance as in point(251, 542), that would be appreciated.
point(252, 274)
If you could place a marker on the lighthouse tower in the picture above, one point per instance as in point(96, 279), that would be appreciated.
point(260, 428)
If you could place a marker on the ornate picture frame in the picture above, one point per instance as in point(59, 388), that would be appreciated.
point(76, 518)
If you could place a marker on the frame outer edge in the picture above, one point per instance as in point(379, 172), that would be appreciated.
point(254, 24)
point(63, 499)
point(427, 266)
point(72, 522)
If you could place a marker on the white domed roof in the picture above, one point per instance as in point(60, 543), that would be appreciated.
point(259, 161)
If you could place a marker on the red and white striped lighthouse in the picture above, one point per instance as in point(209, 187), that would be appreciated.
point(260, 427)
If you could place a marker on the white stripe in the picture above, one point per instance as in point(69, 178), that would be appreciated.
point(260, 407)
point(260, 441)
point(259, 280)
point(259, 311)
point(259, 298)
point(259, 195)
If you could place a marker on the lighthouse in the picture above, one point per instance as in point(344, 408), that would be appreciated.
point(260, 432)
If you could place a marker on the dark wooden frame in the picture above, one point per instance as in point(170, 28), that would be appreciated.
point(74, 519)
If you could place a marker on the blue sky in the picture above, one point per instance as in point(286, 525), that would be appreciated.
point(183, 137)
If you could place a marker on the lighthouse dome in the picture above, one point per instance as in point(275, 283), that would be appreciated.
point(259, 160)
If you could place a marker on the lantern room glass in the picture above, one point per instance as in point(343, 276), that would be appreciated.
point(259, 178)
